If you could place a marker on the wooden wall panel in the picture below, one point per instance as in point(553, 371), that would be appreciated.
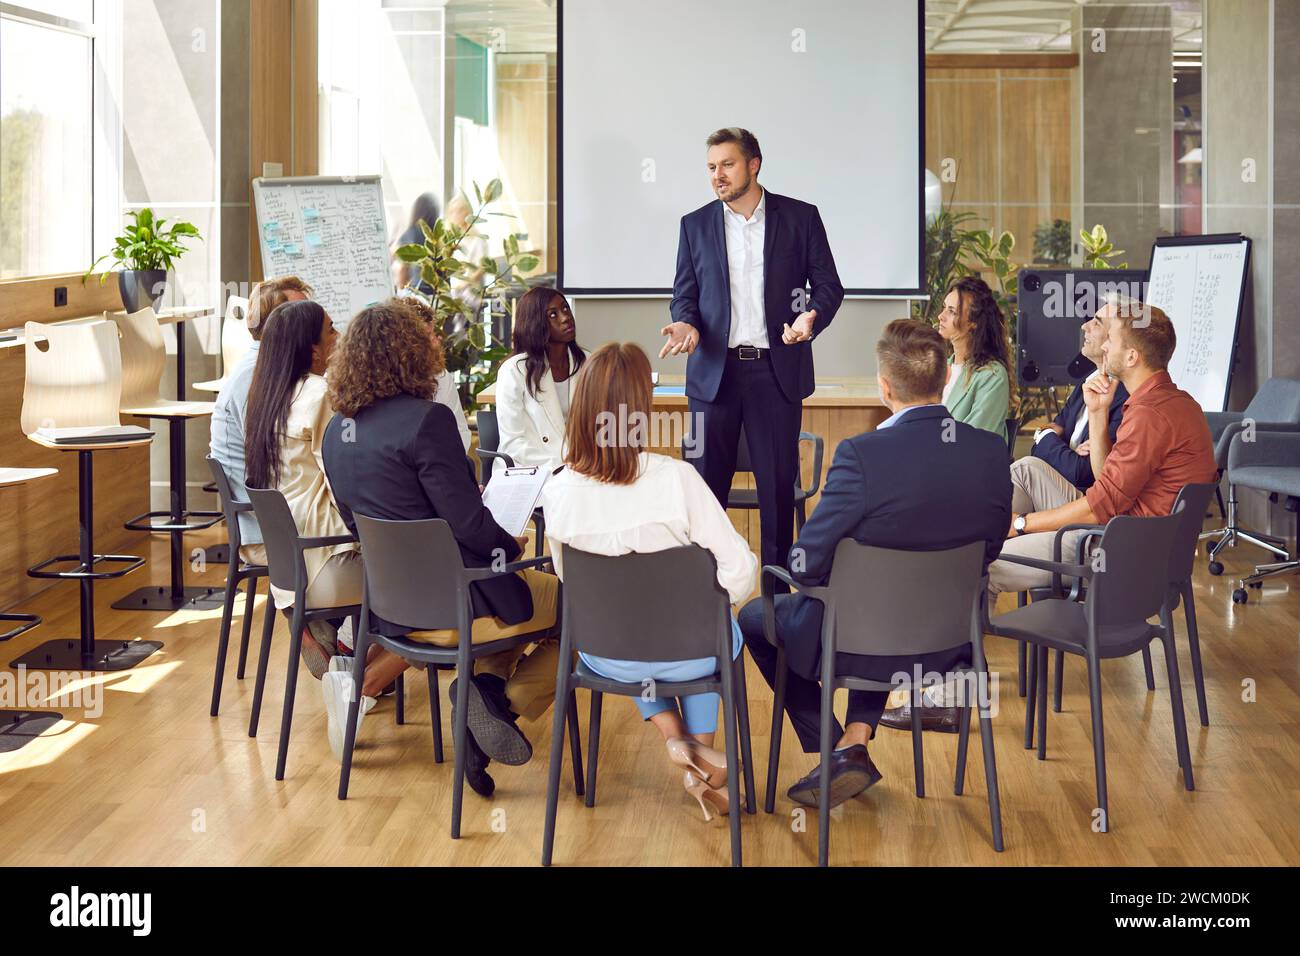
point(522, 114)
point(32, 300)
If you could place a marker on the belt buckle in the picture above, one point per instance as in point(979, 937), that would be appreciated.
point(747, 353)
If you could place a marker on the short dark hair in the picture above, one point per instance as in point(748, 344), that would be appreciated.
point(743, 138)
point(912, 355)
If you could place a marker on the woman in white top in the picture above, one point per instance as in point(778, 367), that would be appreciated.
point(534, 386)
point(616, 498)
point(445, 392)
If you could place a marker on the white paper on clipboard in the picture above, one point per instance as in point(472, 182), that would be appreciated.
point(512, 495)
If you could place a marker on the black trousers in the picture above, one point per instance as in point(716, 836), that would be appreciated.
point(803, 694)
point(750, 396)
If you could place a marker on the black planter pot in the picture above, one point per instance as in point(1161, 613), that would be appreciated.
point(141, 289)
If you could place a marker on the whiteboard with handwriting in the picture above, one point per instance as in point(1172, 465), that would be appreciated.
point(330, 231)
point(1199, 287)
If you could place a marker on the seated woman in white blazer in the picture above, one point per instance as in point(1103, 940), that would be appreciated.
point(534, 385)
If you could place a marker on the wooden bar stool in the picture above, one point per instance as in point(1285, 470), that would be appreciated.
point(70, 400)
point(143, 358)
point(13, 478)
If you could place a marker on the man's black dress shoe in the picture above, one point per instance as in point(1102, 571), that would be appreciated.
point(491, 722)
point(942, 720)
point(476, 761)
point(851, 773)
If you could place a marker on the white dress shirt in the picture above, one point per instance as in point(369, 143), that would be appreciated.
point(667, 506)
point(745, 267)
point(1076, 436)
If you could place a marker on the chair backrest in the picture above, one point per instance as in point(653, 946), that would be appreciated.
point(1190, 509)
point(413, 571)
point(891, 602)
point(227, 497)
point(489, 438)
point(280, 534)
point(74, 376)
point(144, 356)
point(658, 606)
point(1013, 429)
point(235, 337)
point(1278, 400)
point(1131, 570)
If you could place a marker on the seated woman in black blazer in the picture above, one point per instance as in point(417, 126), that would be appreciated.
point(392, 453)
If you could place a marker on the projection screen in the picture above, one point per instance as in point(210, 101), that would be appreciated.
point(832, 89)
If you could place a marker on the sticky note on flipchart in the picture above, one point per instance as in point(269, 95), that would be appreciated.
point(314, 240)
point(310, 213)
point(292, 249)
point(270, 229)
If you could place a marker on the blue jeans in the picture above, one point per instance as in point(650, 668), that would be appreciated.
point(699, 711)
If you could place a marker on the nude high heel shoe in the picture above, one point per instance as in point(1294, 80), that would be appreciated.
point(707, 796)
point(708, 764)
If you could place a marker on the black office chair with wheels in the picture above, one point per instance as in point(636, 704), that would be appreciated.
point(864, 616)
point(287, 570)
point(489, 440)
point(610, 610)
point(416, 578)
point(237, 572)
point(1128, 583)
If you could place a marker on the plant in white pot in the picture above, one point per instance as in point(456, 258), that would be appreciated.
point(144, 254)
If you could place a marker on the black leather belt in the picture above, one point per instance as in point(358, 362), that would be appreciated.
point(748, 353)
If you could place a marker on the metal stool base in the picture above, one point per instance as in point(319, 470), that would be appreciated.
point(65, 655)
point(27, 622)
point(161, 598)
point(18, 728)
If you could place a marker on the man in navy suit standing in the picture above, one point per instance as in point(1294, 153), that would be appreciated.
point(755, 284)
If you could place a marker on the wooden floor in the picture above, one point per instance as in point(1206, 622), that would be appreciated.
point(154, 780)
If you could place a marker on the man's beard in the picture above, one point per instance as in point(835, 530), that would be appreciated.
point(736, 191)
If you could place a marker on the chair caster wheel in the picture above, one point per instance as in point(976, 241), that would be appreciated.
point(1216, 568)
point(1239, 596)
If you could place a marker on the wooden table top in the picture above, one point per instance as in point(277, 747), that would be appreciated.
point(831, 392)
point(11, 477)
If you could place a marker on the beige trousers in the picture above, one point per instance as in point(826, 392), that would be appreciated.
point(1035, 486)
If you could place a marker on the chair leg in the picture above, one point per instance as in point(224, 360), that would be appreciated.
point(553, 770)
point(918, 752)
point(250, 598)
point(435, 710)
point(991, 778)
point(575, 742)
point(401, 700)
point(1176, 703)
point(1042, 702)
point(1058, 681)
point(1021, 687)
point(354, 712)
point(593, 745)
point(729, 722)
point(800, 515)
point(223, 641)
point(1194, 643)
point(1031, 696)
point(1146, 666)
point(263, 657)
point(290, 690)
point(460, 730)
point(963, 741)
point(824, 778)
point(1098, 739)
point(742, 718)
point(774, 740)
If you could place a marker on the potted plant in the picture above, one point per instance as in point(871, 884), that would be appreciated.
point(469, 344)
point(1098, 250)
point(144, 253)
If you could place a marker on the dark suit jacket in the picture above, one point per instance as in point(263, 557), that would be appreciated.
point(1056, 451)
point(404, 461)
point(796, 255)
point(925, 483)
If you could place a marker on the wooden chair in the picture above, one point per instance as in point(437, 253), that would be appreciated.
point(74, 380)
point(235, 342)
point(144, 356)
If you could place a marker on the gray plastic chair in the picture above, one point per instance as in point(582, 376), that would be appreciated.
point(614, 607)
point(1275, 408)
point(1271, 464)
point(237, 572)
point(864, 616)
point(1189, 506)
point(417, 579)
point(1130, 584)
point(746, 499)
point(287, 570)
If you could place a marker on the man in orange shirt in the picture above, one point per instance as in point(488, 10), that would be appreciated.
point(1163, 443)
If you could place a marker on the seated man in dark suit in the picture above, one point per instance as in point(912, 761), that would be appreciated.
point(923, 482)
point(391, 452)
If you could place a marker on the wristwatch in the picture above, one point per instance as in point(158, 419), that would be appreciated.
point(1019, 523)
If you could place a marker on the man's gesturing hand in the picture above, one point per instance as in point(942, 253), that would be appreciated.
point(801, 330)
point(682, 339)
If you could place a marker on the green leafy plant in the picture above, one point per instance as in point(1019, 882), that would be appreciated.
point(946, 243)
point(1052, 242)
point(470, 347)
point(1098, 250)
point(146, 244)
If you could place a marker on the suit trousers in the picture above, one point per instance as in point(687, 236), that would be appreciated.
point(750, 396)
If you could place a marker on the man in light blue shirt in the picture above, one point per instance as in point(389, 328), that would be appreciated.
point(227, 445)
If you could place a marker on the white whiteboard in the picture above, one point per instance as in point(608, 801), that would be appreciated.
point(830, 88)
point(1199, 287)
point(331, 232)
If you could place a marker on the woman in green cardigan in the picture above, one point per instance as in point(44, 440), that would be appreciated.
point(979, 382)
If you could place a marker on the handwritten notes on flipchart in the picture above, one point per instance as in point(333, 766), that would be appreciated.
point(1199, 288)
point(330, 232)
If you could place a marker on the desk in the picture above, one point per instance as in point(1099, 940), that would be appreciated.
point(839, 408)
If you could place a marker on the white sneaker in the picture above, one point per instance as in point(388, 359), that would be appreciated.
point(343, 664)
